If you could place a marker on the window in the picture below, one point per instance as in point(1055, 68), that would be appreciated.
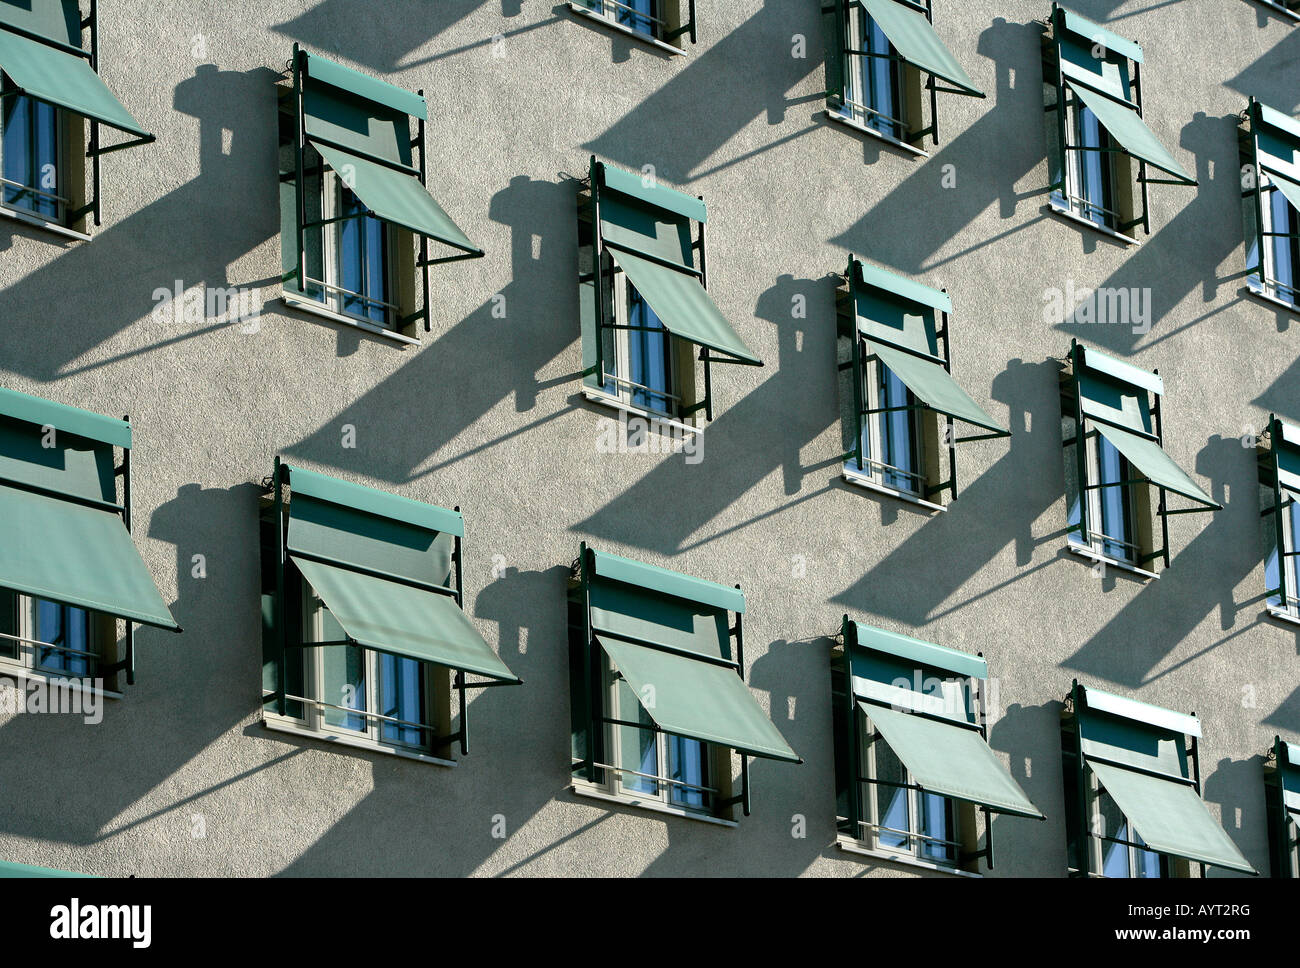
point(1118, 478)
point(1278, 459)
point(650, 764)
point(916, 782)
point(899, 402)
point(69, 570)
point(665, 23)
point(658, 702)
point(356, 221)
point(31, 146)
point(1269, 145)
point(351, 265)
point(1133, 803)
point(647, 323)
point(54, 106)
point(874, 92)
point(1099, 146)
point(902, 817)
point(364, 640)
point(1282, 802)
point(876, 54)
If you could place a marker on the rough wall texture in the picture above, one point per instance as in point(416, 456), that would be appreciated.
point(486, 414)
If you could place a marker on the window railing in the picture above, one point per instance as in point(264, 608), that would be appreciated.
point(668, 781)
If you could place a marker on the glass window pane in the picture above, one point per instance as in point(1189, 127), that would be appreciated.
point(1147, 861)
point(362, 257)
point(936, 819)
point(1115, 502)
point(402, 696)
point(343, 674)
point(636, 14)
point(68, 628)
point(8, 624)
point(637, 747)
point(882, 82)
point(1114, 857)
point(898, 429)
point(648, 354)
point(31, 155)
point(687, 760)
point(891, 801)
point(1281, 219)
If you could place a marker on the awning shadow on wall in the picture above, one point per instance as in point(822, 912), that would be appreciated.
point(153, 246)
point(1237, 786)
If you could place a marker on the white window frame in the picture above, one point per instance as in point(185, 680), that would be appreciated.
point(1097, 831)
point(616, 770)
point(1070, 199)
point(1098, 540)
point(332, 297)
point(875, 429)
point(619, 299)
point(869, 835)
point(1272, 287)
point(59, 223)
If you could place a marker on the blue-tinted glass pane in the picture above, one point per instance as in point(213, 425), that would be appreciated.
point(936, 821)
point(31, 155)
point(1095, 169)
point(882, 82)
point(344, 681)
point(401, 695)
point(362, 260)
point(899, 446)
point(1115, 518)
point(636, 14)
point(647, 354)
point(67, 627)
point(1148, 861)
point(1284, 250)
point(686, 762)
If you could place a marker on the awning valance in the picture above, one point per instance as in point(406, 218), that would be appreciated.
point(950, 760)
point(697, 699)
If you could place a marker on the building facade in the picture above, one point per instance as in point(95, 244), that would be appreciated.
point(454, 257)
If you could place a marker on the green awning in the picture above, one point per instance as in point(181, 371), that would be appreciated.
point(698, 699)
point(646, 229)
point(1127, 127)
point(396, 197)
point(1289, 188)
point(950, 760)
point(364, 86)
point(1170, 817)
point(402, 620)
point(78, 555)
point(682, 305)
point(899, 311)
point(8, 869)
point(1152, 462)
point(917, 42)
point(64, 80)
point(935, 387)
point(672, 583)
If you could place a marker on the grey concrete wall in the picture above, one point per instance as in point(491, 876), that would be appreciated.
point(484, 415)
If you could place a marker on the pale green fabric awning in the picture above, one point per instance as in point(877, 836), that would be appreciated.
point(917, 42)
point(8, 869)
point(682, 305)
point(1127, 127)
point(64, 80)
point(401, 619)
point(935, 387)
point(950, 760)
point(697, 699)
point(1288, 187)
point(1170, 817)
point(1157, 466)
point(68, 552)
point(396, 197)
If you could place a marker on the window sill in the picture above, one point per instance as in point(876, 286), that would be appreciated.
point(12, 670)
point(37, 222)
point(851, 846)
point(657, 806)
point(652, 42)
point(1097, 556)
point(859, 479)
point(1064, 212)
point(1283, 615)
point(1254, 289)
point(652, 417)
point(293, 727)
point(864, 129)
point(314, 308)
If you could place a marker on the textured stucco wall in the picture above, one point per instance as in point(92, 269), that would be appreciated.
point(485, 414)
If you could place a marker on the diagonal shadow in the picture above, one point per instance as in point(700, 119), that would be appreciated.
point(1162, 616)
point(128, 257)
point(349, 28)
point(484, 790)
point(1194, 236)
point(1271, 79)
point(1283, 397)
point(987, 164)
point(716, 90)
point(1237, 786)
point(140, 752)
point(996, 509)
point(503, 351)
point(746, 441)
